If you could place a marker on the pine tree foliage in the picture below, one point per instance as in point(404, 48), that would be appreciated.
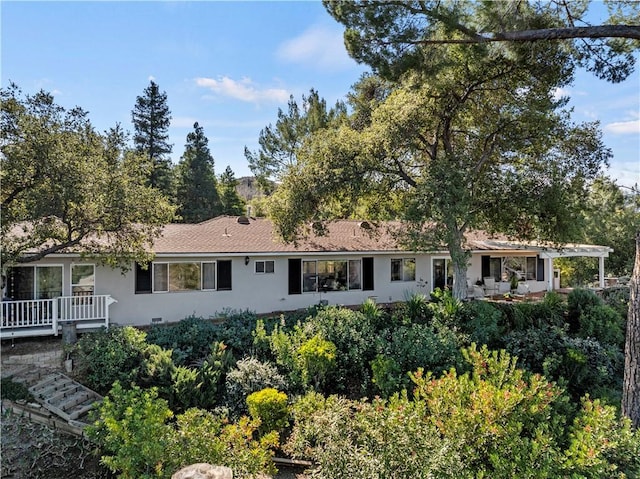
point(196, 184)
point(151, 118)
point(232, 204)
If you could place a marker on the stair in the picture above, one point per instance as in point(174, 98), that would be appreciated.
point(64, 397)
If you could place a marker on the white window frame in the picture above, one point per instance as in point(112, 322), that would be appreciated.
point(264, 266)
point(168, 267)
point(78, 285)
point(404, 269)
point(315, 276)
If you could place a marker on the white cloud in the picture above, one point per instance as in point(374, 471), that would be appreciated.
point(319, 46)
point(244, 90)
point(560, 93)
point(183, 122)
point(623, 127)
point(151, 78)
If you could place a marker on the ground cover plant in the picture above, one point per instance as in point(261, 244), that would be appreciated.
point(466, 389)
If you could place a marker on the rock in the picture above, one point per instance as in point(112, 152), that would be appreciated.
point(203, 471)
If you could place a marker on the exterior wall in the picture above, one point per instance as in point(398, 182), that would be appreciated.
point(260, 293)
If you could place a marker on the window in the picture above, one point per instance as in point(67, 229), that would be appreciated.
point(34, 282)
point(263, 267)
point(403, 269)
point(208, 276)
point(143, 279)
point(522, 267)
point(330, 275)
point(442, 273)
point(82, 279)
point(176, 277)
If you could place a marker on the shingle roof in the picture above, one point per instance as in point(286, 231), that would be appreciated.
point(228, 234)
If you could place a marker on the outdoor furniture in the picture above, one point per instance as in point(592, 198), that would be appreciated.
point(490, 286)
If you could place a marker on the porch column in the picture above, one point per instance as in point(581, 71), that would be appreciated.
point(549, 268)
point(601, 271)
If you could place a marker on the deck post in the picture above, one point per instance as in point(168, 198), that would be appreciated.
point(54, 316)
point(601, 271)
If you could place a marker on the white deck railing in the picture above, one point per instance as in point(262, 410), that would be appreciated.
point(41, 317)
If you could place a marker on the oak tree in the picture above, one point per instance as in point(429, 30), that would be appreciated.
point(66, 187)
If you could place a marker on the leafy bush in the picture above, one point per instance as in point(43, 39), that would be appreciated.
point(13, 391)
point(317, 359)
point(445, 308)
point(156, 369)
point(110, 355)
point(408, 348)
point(270, 407)
point(414, 309)
point(579, 302)
point(352, 333)
point(130, 429)
point(483, 323)
point(618, 298)
point(582, 365)
point(211, 376)
point(137, 440)
point(495, 421)
point(603, 323)
point(189, 339)
point(235, 329)
point(248, 376)
point(184, 389)
point(202, 436)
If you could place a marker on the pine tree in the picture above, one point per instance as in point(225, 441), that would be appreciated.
point(232, 204)
point(197, 192)
point(151, 118)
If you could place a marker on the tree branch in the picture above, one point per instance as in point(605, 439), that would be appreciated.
point(598, 31)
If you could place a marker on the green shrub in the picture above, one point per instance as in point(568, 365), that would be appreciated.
point(236, 329)
point(601, 445)
point(414, 309)
point(132, 433)
point(579, 301)
point(110, 355)
point(156, 369)
point(445, 308)
point(603, 323)
point(202, 436)
point(373, 313)
point(248, 376)
point(184, 389)
point(353, 335)
point(270, 407)
point(211, 376)
point(483, 323)
point(317, 358)
point(618, 298)
point(13, 391)
point(137, 440)
point(189, 339)
point(408, 348)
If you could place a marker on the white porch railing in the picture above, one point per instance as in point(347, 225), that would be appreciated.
point(41, 317)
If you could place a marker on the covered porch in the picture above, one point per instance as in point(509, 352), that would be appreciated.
point(44, 317)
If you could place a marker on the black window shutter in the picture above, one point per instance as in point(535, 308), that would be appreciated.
point(486, 266)
point(143, 279)
point(540, 272)
point(224, 275)
point(295, 276)
point(367, 274)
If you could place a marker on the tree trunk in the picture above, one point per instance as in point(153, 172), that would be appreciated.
point(631, 383)
point(459, 258)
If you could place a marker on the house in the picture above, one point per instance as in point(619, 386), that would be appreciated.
point(238, 263)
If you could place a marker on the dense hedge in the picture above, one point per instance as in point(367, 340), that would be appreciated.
point(561, 365)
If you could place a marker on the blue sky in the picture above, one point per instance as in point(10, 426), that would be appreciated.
point(228, 66)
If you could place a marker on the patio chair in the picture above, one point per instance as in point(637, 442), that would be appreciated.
point(490, 287)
